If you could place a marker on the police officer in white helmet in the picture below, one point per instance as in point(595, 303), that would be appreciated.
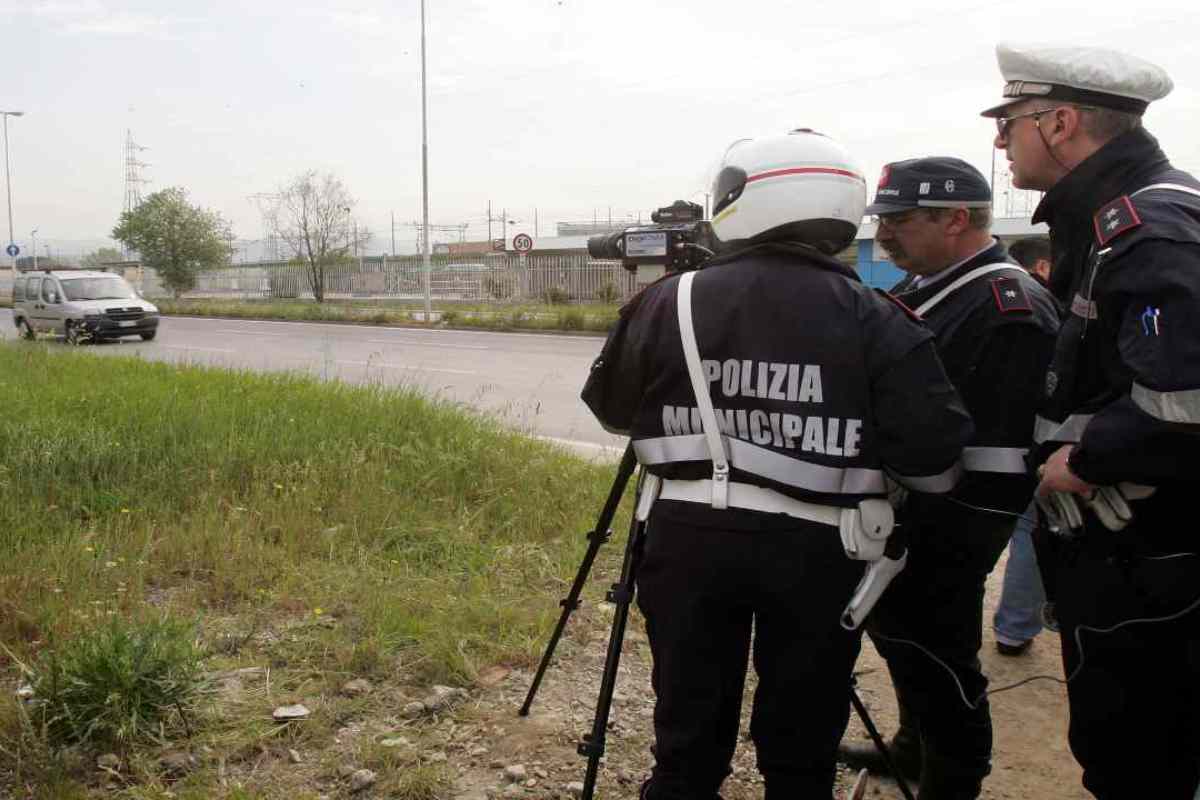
point(1119, 426)
point(766, 394)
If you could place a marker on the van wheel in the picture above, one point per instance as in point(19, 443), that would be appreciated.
point(71, 333)
point(27, 330)
point(148, 336)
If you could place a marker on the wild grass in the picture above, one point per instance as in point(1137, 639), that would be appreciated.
point(596, 318)
point(120, 683)
point(316, 530)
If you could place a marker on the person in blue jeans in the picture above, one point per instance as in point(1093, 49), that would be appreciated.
point(1018, 617)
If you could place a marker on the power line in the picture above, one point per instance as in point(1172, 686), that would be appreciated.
point(460, 229)
point(133, 172)
point(266, 201)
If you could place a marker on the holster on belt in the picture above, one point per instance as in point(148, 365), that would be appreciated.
point(647, 495)
point(879, 574)
point(866, 528)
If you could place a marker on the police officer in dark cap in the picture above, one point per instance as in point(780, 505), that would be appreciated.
point(994, 327)
point(765, 395)
point(1119, 428)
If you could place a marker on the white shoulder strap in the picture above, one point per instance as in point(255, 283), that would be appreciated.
point(1172, 186)
point(961, 281)
point(708, 418)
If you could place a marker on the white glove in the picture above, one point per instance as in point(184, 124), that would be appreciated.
point(1110, 504)
point(1063, 516)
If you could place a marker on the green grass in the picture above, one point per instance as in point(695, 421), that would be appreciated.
point(596, 318)
point(318, 530)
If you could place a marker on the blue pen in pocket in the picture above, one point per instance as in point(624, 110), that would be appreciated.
point(1150, 320)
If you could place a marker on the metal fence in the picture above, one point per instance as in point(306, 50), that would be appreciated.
point(489, 279)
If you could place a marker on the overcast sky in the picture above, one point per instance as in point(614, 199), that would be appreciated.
point(568, 107)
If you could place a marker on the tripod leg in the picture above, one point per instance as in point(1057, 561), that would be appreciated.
point(622, 595)
point(880, 744)
point(598, 536)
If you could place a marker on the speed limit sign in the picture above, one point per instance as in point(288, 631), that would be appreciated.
point(522, 243)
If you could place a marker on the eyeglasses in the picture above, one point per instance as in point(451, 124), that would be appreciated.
point(1003, 122)
point(893, 221)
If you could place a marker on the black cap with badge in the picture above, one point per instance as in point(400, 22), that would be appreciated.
point(930, 183)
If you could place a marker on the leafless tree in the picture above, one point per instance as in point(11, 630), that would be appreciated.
point(313, 216)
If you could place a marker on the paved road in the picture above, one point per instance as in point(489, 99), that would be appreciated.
point(531, 381)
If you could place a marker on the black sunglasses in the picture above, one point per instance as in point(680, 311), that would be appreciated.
point(1003, 122)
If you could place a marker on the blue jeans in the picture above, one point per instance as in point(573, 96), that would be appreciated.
point(1018, 614)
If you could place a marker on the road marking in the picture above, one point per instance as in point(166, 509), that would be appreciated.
point(428, 344)
point(605, 449)
point(386, 365)
point(247, 332)
point(193, 349)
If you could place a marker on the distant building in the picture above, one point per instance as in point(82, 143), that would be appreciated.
point(470, 248)
point(43, 262)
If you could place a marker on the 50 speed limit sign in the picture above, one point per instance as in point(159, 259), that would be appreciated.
point(522, 243)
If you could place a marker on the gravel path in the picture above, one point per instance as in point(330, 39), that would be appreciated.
point(509, 756)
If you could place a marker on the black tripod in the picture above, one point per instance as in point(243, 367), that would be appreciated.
point(621, 595)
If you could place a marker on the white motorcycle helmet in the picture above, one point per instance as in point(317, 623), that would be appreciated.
point(800, 187)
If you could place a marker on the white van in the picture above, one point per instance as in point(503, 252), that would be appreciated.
point(81, 305)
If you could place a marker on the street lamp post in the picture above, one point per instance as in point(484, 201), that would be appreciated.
point(32, 233)
point(425, 177)
point(8, 185)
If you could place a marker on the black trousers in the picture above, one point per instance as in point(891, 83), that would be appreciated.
point(937, 602)
point(707, 579)
point(1135, 691)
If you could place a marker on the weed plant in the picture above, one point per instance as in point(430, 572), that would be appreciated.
point(119, 683)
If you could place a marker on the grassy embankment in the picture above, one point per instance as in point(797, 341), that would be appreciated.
point(593, 318)
point(320, 531)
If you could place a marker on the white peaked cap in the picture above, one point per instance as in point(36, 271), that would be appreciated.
point(1095, 76)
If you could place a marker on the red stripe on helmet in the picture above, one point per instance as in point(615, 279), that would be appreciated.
point(776, 173)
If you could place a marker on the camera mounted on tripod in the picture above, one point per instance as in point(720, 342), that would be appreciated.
point(680, 239)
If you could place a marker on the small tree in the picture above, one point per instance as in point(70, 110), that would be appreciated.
point(175, 238)
point(105, 255)
point(312, 216)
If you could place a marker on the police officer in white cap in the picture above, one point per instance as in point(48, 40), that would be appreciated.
point(1119, 431)
point(768, 392)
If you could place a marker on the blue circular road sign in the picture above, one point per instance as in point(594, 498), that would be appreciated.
point(13, 250)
